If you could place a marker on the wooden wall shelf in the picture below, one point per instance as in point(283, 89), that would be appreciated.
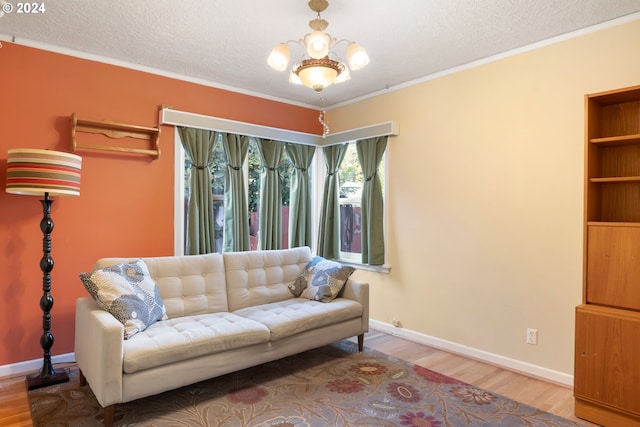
point(115, 130)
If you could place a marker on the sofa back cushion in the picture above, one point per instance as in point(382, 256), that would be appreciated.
point(188, 285)
point(262, 277)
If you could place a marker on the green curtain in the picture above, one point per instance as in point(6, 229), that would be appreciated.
point(370, 152)
point(300, 200)
point(236, 220)
point(329, 233)
point(270, 231)
point(200, 236)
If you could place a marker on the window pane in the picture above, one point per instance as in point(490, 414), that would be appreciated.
point(187, 191)
point(255, 167)
point(255, 170)
point(351, 182)
point(351, 179)
point(286, 169)
point(217, 168)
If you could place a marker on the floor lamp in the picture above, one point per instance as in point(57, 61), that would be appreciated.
point(44, 173)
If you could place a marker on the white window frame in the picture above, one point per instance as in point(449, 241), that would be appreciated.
point(178, 191)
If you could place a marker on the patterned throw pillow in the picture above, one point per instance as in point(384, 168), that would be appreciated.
point(298, 285)
point(322, 280)
point(128, 292)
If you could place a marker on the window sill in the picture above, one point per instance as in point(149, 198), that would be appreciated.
point(385, 269)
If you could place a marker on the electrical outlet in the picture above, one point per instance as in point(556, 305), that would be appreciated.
point(532, 336)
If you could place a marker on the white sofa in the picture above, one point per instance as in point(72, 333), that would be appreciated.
point(225, 312)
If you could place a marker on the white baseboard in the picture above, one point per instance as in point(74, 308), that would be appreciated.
point(474, 353)
point(32, 366)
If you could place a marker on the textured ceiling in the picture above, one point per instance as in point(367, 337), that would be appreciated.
point(225, 43)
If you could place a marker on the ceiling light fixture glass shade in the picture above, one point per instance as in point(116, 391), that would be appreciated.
point(356, 56)
point(317, 44)
point(319, 66)
point(318, 73)
point(279, 57)
point(293, 78)
point(343, 76)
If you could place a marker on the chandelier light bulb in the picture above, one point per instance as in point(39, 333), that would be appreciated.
point(279, 57)
point(356, 56)
point(317, 44)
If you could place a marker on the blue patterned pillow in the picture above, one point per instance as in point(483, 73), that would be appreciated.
point(322, 279)
point(128, 292)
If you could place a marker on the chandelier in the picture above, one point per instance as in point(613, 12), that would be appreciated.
point(319, 66)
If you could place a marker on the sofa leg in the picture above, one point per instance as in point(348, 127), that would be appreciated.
point(83, 379)
point(360, 342)
point(109, 415)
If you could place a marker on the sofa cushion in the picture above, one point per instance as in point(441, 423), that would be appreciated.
point(189, 284)
point(261, 277)
point(128, 293)
point(188, 337)
point(322, 279)
point(295, 315)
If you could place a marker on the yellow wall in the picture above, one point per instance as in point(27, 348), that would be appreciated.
point(485, 196)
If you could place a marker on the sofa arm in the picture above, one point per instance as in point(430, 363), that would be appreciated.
point(98, 349)
point(358, 291)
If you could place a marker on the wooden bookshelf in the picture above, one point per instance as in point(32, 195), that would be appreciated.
point(607, 346)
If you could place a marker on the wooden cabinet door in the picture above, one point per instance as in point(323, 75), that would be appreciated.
point(613, 266)
point(607, 357)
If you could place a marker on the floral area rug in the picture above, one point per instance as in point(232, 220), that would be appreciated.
point(329, 386)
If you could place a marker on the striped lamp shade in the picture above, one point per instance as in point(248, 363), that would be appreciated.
point(34, 172)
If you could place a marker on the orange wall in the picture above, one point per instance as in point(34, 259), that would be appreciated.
point(126, 202)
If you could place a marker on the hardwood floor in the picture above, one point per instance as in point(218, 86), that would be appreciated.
point(556, 399)
point(14, 403)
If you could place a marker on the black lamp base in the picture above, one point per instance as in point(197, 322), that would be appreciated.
point(35, 381)
point(47, 375)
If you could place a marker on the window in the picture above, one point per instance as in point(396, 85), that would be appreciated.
point(351, 182)
point(217, 169)
point(187, 119)
point(254, 168)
